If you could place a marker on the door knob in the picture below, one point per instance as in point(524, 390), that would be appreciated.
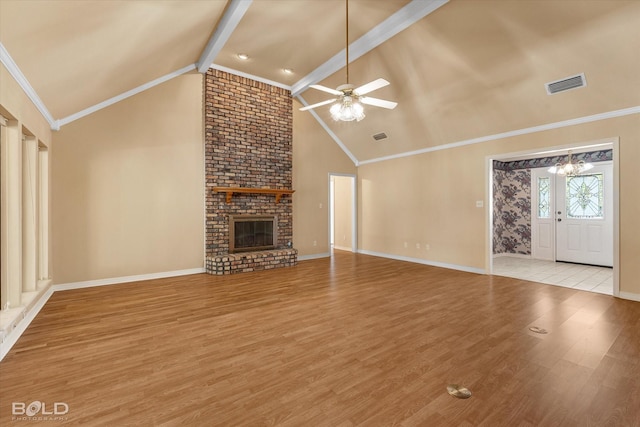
point(559, 219)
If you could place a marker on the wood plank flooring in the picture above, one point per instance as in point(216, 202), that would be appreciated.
point(347, 341)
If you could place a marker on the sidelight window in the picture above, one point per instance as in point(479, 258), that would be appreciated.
point(544, 198)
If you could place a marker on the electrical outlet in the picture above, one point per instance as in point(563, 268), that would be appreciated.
point(320, 207)
point(315, 243)
point(417, 245)
point(427, 246)
point(479, 203)
point(406, 245)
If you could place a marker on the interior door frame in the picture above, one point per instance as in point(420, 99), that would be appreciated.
point(614, 142)
point(354, 210)
point(535, 221)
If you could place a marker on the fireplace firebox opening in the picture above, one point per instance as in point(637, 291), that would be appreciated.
point(252, 233)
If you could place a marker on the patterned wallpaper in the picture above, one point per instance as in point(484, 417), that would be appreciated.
point(512, 211)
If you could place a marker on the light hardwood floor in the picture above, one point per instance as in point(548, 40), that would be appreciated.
point(351, 340)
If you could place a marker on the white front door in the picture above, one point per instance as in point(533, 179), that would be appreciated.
point(584, 216)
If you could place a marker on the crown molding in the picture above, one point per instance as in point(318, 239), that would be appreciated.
point(230, 19)
point(399, 21)
point(249, 76)
point(525, 131)
point(329, 132)
point(15, 72)
point(125, 95)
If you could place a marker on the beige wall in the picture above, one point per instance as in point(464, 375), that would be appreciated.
point(315, 155)
point(128, 187)
point(343, 212)
point(431, 198)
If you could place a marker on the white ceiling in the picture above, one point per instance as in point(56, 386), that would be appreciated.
point(459, 70)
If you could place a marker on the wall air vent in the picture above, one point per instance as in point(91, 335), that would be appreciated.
point(379, 136)
point(567, 83)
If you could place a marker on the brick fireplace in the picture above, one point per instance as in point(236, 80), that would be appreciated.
point(248, 145)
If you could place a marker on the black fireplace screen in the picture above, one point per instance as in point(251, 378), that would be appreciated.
point(252, 233)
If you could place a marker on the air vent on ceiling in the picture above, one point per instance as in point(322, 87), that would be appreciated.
point(567, 83)
point(379, 136)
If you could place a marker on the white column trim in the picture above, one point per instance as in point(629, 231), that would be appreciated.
point(43, 214)
point(29, 213)
point(11, 222)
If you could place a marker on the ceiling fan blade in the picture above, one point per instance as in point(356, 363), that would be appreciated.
point(378, 102)
point(326, 89)
point(319, 104)
point(371, 86)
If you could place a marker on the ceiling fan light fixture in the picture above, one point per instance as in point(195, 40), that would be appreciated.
point(347, 110)
point(348, 106)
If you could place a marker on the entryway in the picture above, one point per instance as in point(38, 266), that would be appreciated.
point(342, 212)
point(563, 228)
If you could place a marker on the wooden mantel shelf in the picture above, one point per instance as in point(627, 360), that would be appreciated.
point(231, 190)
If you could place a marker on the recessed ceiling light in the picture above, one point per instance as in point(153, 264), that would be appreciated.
point(243, 56)
point(287, 70)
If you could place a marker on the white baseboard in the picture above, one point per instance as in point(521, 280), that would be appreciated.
point(11, 338)
point(425, 262)
point(630, 296)
point(126, 279)
point(512, 256)
point(314, 256)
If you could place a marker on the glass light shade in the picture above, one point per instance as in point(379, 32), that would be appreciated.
point(347, 109)
point(570, 168)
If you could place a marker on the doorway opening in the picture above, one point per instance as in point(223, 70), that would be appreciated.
point(342, 212)
point(562, 231)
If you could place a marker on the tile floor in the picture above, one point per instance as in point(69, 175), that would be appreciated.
point(576, 276)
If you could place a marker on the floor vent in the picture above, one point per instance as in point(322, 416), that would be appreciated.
point(567, 83)
point(379, 136)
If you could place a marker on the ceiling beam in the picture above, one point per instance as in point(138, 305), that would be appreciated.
point(104, 104)
point(230, 19)
point(402, 19)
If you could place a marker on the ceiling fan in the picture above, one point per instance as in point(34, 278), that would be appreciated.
point(347, 106)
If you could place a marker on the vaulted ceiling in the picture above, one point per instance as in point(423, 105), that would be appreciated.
point(459, 69)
